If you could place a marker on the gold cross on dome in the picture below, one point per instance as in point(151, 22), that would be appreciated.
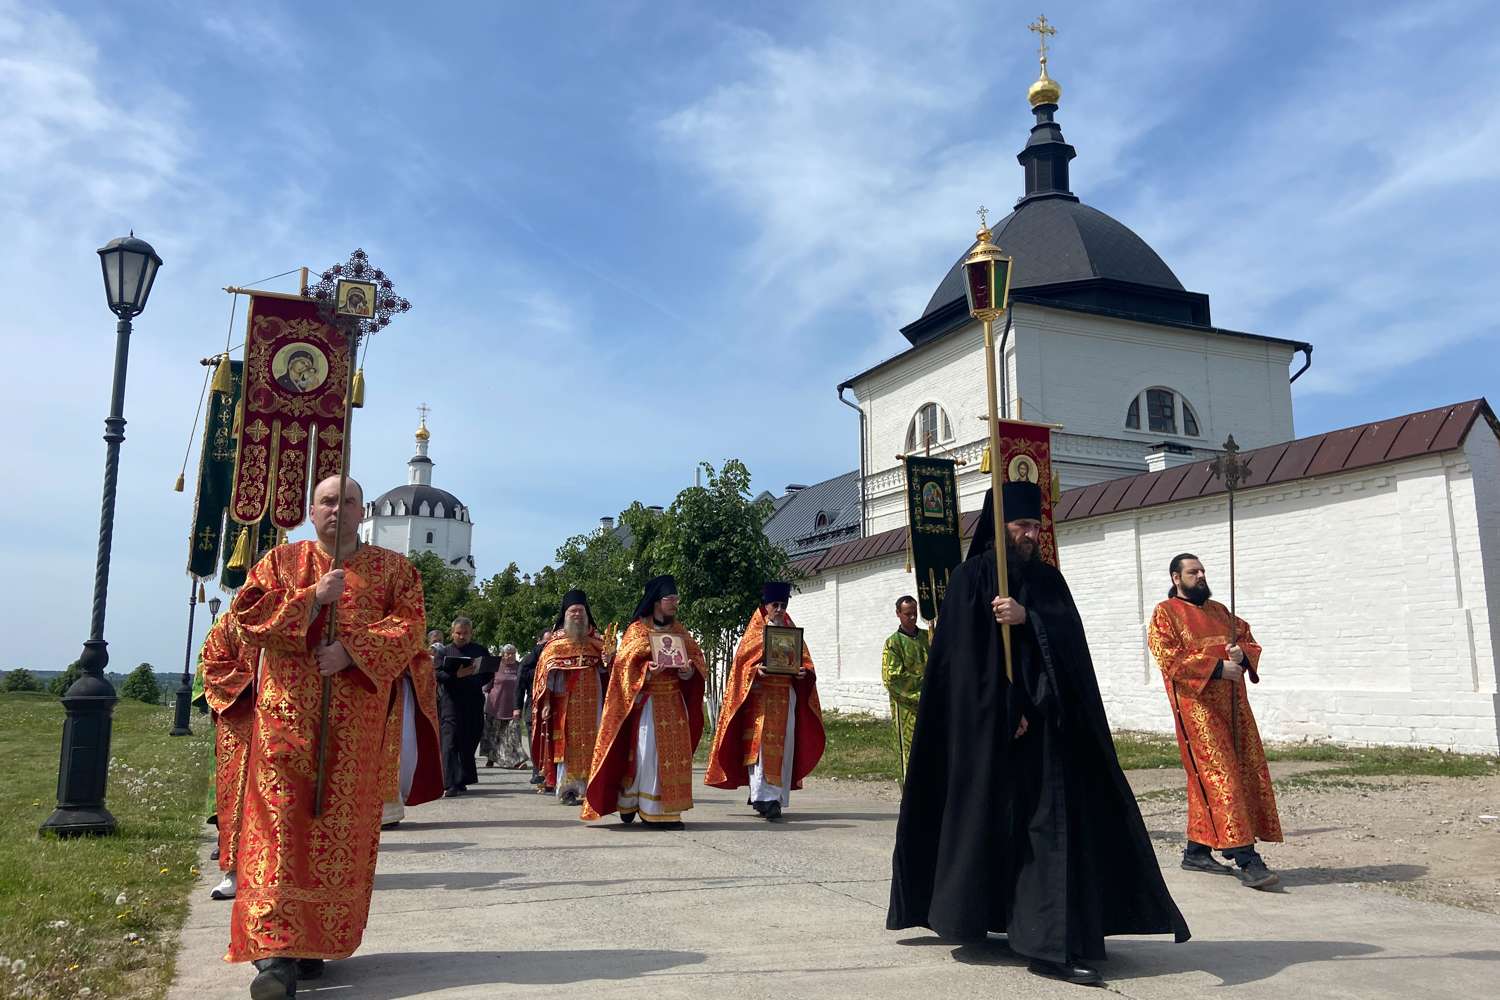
point(1043, 29)
point(422, 410)
point(984, 217)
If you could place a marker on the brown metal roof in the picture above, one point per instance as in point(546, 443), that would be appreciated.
point(1426, 433)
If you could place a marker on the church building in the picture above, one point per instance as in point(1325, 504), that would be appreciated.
point(419, 517)
point(1368, 558)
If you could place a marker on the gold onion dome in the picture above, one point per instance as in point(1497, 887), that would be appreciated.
point(1045, 91)
point(422, 432)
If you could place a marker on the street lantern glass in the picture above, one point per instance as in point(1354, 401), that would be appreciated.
point(213, 606)
point(130, 267)
point(987, 280)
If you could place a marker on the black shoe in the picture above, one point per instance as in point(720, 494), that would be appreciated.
point(276, 980)
point(627, 818)
point(759, 807)
point(536, 778)
point(571, 799)
point(1204, 863)
point(213, 855)
point(213, 819)
point(772, 811)
point(1067, 972)
point(309, 968)
point(489, 763)
point(1256, 875)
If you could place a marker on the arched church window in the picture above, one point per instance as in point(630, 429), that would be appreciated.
point(424, 510)
point(401, 508)
point(822, 521)
point(437, 509)
point(1167, 412)
point(429, 538)
point(928, 427)
point(385, 508)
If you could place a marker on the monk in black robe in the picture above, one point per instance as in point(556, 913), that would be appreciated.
point(1016, 817)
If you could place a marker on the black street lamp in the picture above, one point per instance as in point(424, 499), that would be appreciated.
point(213, 609)
point(184, 703)
point(130, 267)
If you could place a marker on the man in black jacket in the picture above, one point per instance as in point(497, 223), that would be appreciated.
point(1016, 817)
point(460, 705)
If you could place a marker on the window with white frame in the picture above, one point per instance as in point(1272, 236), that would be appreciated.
point(929, 426)
point(1160, 410)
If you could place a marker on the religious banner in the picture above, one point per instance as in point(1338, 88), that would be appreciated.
point(292, 422)
point(258, 541)
point(1026, 454)
point(932, 516)
point(215, 469)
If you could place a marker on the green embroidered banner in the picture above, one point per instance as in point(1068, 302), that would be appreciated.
point(215, 470)
point(932, 515)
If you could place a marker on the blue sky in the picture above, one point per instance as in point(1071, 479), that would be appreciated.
point(640, 235)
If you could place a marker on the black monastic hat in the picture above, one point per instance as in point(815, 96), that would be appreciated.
point(656, 589)
point(774, 592)
point(572, 597)
point(1022, 500)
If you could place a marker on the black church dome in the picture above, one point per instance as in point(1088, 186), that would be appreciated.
point(408, 500)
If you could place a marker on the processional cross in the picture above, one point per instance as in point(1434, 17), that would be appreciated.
point(1232, 471)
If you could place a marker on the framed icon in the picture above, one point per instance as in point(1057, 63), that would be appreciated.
point(299, 367)
point(355, 299)
point(668, 651)
point(783, 646)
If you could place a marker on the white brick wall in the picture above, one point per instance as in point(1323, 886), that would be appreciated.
point(1080, 370)
point(1375, 593)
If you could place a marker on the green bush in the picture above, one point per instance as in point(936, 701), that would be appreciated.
point(60, 684)
point(20, 679)
point(141, 685)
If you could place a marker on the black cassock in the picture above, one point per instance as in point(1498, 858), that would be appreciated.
point(1039, 838)
point(460, 712)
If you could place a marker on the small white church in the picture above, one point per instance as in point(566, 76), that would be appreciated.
point(419, 517)
point(1368, 558)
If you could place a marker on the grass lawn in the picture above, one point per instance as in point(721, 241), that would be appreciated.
point(98, 917)
point(862, 746)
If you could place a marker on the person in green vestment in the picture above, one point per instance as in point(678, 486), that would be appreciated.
point(902, 663)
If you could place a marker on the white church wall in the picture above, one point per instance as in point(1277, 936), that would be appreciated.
point(1373, 592)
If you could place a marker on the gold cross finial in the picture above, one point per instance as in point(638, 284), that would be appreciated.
point(422, 410)
point(1043, 29)
point(984, 217)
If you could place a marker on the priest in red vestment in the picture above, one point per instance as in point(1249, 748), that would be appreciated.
point(770, 732)
point(305, 880)
point(569, 686)
point(413, 756)
point(228, 667)
point(653, 718)
point(1205, 655)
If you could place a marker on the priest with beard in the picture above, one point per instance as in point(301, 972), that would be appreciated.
point(653, 719)
point(1016, 817)
point(1205, 654)
point(568, 690)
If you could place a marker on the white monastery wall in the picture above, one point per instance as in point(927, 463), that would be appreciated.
point(1376, 595)
point(451, 538)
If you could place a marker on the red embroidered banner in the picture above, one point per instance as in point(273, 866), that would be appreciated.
point(1026, 453)
point(292, 410)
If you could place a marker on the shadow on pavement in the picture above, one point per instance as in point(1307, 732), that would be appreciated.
point(412, 974)
point(426, 847)
point(1366, 873)
point(1235, 963)
point(442, 880)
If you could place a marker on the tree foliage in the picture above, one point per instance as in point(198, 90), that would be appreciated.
point(20, 679)
point(60, 684)
point(142, 686)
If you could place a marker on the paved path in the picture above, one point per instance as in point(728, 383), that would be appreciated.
point(505, 894)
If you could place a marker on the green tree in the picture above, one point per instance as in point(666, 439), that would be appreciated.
point(141, 685)
point(712, 540)
point(60, 684)
point(20, 679)
point(445, 590)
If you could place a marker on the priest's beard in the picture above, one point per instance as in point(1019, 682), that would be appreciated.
point(663, 620)
point(1024, 551)
point(575, 630)
point(1196, 595)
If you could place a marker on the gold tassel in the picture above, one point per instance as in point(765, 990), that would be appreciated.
point(280, 536)
point(1056, 488)
point(984, 463)
point(223, 376)
point(181, 483)
point(240, 559)
point(239, 418)
point(357, 394)
point(202, 594)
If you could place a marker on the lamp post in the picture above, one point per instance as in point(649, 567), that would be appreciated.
point(130, 267)
point(987, 285)
point(184, 704)
point(213, 609)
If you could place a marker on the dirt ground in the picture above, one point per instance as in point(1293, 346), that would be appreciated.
point(1415, 836)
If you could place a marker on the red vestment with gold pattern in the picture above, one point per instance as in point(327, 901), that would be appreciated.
point(427, 779)
point(305, 881)
point(677, 724)
point(1230, 799)
point(568, 724)
point(228, 687)
point(752, 718)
